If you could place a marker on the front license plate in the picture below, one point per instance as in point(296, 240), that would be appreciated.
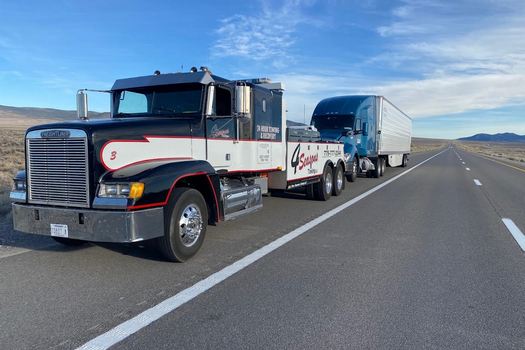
point(59, 230)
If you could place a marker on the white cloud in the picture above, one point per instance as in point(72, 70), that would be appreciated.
point(266, 36)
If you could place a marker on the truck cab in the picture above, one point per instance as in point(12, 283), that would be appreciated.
point(375, 132)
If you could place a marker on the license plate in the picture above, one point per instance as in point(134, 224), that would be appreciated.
point(59, 230)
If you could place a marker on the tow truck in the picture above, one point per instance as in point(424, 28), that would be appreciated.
point(181, 151)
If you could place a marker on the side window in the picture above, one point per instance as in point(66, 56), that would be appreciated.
point(132, 102)
point(358, 126)
point(223, 102)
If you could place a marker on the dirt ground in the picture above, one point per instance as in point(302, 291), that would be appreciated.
point(425, 145)
point(514, 152)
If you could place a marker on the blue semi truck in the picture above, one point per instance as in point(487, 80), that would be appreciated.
point(375, 133)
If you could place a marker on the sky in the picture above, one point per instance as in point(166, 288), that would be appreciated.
point(456, 67)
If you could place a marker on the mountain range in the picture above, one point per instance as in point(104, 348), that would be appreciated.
point(502, 137)
point(44, 113)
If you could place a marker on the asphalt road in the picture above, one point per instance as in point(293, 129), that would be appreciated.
point(423, 262)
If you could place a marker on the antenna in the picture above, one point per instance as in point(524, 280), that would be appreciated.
point(304, 113)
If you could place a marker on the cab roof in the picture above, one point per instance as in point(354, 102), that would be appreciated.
point(167, 79)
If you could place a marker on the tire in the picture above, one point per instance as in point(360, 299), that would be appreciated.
point(353, 174)
point(185, 223)
point(382, 166)
point(376, 173)
point(404, 162)
point(69, 241)
point(338, 180)
point(323, 189)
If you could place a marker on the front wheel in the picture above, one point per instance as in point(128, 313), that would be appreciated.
point(323, 189)
point(186, 219)
point(339, 180)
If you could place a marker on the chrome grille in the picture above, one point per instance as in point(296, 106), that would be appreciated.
point(58, 169)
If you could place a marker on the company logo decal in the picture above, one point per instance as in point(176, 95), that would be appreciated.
point(301, 160)
point(55, 134)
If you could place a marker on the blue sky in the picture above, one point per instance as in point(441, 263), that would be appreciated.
point(456, 67)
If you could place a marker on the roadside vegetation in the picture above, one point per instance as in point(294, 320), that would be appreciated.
point(514, 152)
point(12, 155)
point(425, 145)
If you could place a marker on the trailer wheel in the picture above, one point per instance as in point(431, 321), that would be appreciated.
point(339, 180)
point(185, 222)
point(323, 189)
point(353, 174)
point(404, 161)
point(69, 242)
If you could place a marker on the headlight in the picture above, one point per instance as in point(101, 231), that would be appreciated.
point(133, 190)
point(19, 185)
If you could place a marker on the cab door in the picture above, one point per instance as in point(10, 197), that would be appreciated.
point(221, 130)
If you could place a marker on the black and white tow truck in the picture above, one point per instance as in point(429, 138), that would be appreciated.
point(180, 151)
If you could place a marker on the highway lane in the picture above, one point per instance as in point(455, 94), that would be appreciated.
point(503, 186)
point(59, 297)
point(424, 263)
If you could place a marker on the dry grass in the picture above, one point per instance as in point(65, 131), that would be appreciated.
point(514, 152)
point(425, 145)
point(12, 155)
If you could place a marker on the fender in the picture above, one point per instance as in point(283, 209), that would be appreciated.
point(162, 176)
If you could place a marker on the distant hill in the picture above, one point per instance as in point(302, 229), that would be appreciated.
point(46, 113)
point(503, 137)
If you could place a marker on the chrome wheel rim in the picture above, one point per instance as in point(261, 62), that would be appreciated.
point(328, 183)
point(354, 166)
point(190, 225)
point(339, 180)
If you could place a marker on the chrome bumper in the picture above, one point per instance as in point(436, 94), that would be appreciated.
point(91, 225)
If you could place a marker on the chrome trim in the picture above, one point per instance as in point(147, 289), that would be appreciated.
point(18, 196)
point(96, 226)
point(35, 134)
point(110, 203)
point(65, 183)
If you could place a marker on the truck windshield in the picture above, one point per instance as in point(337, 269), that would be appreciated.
point(172, 101)
point(333, 121)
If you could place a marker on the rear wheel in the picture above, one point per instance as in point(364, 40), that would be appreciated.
point(353, 174)
point(339, 180)
point(323, 189)
point(69, 242)
point(404, 162)
point(186, 219)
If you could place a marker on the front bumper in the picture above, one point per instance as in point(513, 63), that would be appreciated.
point(91, 225)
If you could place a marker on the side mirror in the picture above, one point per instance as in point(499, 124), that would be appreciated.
point(209, 101)
point(365, 129)
point(82, 105)
point(243, 101)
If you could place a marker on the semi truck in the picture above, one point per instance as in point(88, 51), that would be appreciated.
point(375, 133)
point(179, 152)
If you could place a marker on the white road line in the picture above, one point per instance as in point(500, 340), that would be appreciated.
point(477, 182)
point(468, 169)
point(515, 232)
point(133, 325)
